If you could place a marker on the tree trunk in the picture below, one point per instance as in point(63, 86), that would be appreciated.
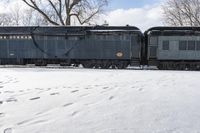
point(68, 21)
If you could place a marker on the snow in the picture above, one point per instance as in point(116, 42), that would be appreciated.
point(41, 100)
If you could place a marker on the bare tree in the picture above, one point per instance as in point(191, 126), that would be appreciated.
point(182, 12)
point(5, 19)
point(15, 14)
point(60, 12)
point(27, 17)
point(31, 17)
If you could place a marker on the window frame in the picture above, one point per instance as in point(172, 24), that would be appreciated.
point(194, 45)
point(185, 43)
point(165, 45)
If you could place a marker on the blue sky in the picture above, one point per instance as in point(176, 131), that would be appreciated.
point(141, 13)
point(126, 4)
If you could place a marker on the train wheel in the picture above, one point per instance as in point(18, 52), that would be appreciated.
point(122, 65)
point(97, 66)
point(40, 63)
point(87, 65)
point(113, 66)
point(177, 66)
point(64, 64)
point(160, 67)
point(105, 66)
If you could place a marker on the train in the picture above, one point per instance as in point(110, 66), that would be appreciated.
point(116, 47)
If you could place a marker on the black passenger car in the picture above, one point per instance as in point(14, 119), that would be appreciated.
point(173, 47)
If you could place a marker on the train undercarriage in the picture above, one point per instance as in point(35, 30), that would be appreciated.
point(179, 65)
point(93, 63)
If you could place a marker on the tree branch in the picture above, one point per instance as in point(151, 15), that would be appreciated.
point(35, 6)
point(59, 13)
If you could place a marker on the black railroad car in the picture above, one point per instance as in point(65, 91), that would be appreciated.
point(91, 46)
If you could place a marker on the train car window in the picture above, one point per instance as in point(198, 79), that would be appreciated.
point(182, 45)
point(1, 37)
point(198, 45)
point(191, 45)
point(165, 45)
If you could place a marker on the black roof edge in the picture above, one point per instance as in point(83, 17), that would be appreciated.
point(165, 28)
point(97, 27)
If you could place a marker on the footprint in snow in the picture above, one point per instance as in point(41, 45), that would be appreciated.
point(8, 130)
point(39, 89)
point(74, 113)
point(1, 102)
point(48, 89)
point(68, 104)
point(105, 88)
point(83, 95)
point(22, 122)
point(97, 85)
point(40, 113)
point(1, 86)
point(55, 93)
point(2, 115)
point(111, 98)
point(141, 89)
point(11, 100)
point(15, 81)
point(8, 91)
point(34, 98)
point(25, 121)
point(39, 122)
point(87, 88)
point(74, 91)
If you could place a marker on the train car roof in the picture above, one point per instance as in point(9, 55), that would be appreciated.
point(65, 29)
point(172, 31)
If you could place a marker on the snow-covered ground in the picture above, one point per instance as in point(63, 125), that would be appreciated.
point(39, 100)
